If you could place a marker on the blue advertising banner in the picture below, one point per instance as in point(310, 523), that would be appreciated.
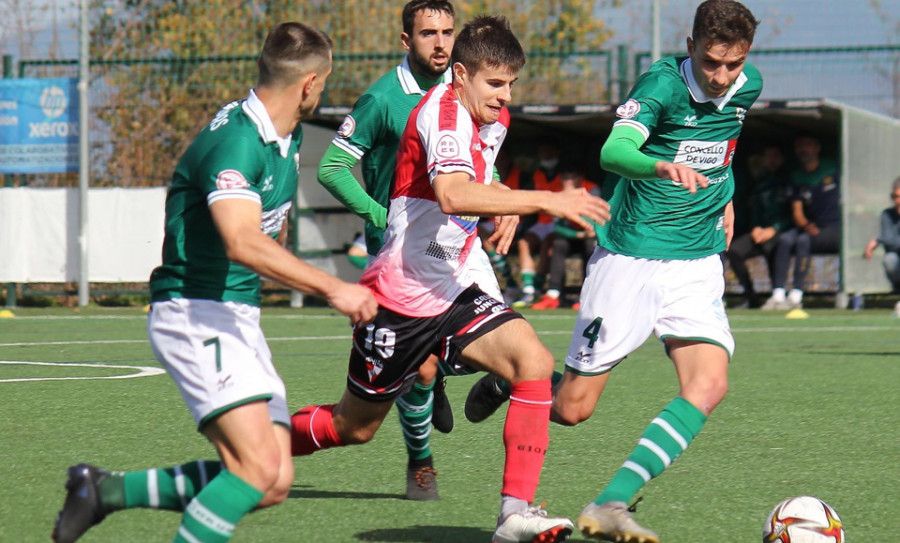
point(38, 125)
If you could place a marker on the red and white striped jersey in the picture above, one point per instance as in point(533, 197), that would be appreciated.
point(423, 264)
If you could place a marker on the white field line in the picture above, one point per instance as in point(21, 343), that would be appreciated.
point(143, 371)
point(769, 330)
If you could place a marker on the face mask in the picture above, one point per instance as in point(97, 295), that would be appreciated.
point(549, 163)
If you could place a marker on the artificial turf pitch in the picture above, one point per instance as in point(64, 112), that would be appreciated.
point(812, 409)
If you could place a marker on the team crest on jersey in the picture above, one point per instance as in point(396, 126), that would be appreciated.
point(447, 147)
point(740, 113)
point(297, 162)
point(347, 128)
point(374, 368)
point(231, 179)
point(629, 109)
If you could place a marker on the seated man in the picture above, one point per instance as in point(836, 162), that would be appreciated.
point(816, 209)
point(890, 239)
point(769, 216)
point(565, 240)
point(535, 229)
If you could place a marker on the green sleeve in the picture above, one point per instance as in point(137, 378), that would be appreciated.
point(334, 174)
point(621, 154)
point(565, 231)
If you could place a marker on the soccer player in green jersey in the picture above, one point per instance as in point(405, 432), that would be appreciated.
point(229, 197)
point(371, 133)
point(657, 268)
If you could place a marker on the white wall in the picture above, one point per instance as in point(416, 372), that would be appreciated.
point(39, 234)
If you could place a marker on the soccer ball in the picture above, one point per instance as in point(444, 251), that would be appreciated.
point(803, 519)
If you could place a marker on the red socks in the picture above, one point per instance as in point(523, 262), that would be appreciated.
point(525, 435)
point(312, 429)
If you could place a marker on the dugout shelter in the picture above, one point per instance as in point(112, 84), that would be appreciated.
point(866, 144)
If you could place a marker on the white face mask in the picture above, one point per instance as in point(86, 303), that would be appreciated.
point(549, 163)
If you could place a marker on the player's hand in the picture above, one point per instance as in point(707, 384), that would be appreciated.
point(355, 301)
point(577, 206)
point(504, 233)
point(682, 175)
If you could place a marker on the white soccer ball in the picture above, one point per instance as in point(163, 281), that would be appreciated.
point(803, 519)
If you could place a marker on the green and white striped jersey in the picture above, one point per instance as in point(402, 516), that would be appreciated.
point(656, 218)
point(238, 155)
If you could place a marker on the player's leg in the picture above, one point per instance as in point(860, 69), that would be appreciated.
point(414, 410)
point(384, 363)
point(180, 332)
point(352, 421)
point(506, 345)
point(576, 397)
point(254, 460)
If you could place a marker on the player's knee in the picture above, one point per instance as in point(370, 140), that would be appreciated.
point(535, 362)
point(260, 470)
point(706, 394)
point(281, 489)
point(569, 412)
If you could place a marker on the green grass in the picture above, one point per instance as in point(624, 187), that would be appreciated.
point(811, 410)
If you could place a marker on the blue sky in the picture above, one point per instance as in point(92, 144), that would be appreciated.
point(785, 23)
point(866, 80)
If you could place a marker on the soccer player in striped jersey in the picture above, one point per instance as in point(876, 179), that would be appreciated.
point(370, 134)
point(230, 194)
point(428, 300)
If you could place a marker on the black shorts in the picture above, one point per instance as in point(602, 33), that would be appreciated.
point(388, 351)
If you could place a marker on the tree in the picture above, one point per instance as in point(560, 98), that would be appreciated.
point(162, 68)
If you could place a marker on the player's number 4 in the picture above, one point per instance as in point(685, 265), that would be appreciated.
point(592, 331)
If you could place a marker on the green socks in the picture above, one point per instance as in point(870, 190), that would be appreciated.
point(170, 488)
point(415, 409)
point(667, 436)
point(212, 515)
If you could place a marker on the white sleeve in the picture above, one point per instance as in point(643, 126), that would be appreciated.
point(447, 150)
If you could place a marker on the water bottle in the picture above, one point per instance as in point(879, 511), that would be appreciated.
point(859, 301)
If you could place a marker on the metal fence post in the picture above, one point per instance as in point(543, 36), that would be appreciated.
point(8, 181)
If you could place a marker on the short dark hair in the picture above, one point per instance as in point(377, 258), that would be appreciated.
point(724, 21)
point(415, 6)
point(487, 40)
point(291, 51)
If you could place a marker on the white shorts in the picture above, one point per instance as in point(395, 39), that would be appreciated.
point(217, 355)
point(625, 299)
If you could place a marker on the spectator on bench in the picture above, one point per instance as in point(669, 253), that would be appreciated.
point(566, 239)
point(890, 239)
point(816, 211)
point(769, 216)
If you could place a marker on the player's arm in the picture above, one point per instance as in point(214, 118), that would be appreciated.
point(457, 195)
point(728, 223)
point(335, 174)
point(800, 219)
point(621, 154)
point(238, 221)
